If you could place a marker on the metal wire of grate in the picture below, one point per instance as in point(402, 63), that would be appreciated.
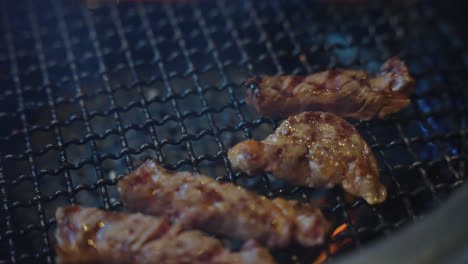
point(87, 95)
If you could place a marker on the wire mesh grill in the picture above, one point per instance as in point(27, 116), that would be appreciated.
point(87, 95)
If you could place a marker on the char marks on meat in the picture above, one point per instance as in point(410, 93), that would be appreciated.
point(89, 235)
point(346, 93)
point(197, 201)
point(314, 149)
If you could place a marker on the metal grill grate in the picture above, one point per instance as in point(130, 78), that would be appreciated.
point(86, 95)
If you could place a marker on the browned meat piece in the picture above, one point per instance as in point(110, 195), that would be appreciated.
point(347, 93)
point(197, 201)
point(314, 149)
point(89, 235)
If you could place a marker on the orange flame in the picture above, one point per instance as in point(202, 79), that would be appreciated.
point(333, 247)
point(339, 229)
point(321, 258)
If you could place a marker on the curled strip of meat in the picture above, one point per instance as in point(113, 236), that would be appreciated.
point(314, 149)
point(89, 235)
point(347, 93)
point(197, 201)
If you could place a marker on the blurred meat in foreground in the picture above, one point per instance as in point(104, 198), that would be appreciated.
point(89, 235)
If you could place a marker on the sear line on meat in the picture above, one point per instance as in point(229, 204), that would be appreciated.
point(314, 149)
point(197, 201)
point(89, 235)
point(346, 93)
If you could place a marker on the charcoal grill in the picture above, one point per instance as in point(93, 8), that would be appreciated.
point(87, 95)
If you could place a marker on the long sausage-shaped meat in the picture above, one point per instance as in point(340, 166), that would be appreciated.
point(197, 201)
point(89, 235)
point(346, 93)
point(314, 149)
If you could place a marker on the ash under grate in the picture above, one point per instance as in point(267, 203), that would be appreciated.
point(87, 95)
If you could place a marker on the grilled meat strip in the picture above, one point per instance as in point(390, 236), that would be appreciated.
point(197, 201)
point(89, 235)
point(346, 93)
point(314, 149)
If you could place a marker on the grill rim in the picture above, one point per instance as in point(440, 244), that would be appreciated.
point(446, 223)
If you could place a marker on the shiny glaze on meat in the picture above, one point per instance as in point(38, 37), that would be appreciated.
point(197, 201)
point(346, 93)
point(89, 235)
point(314, 149)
